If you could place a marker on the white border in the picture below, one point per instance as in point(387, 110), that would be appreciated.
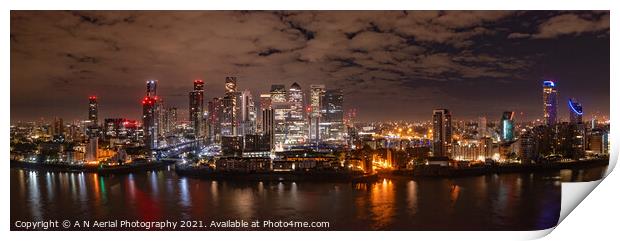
point(591, 225)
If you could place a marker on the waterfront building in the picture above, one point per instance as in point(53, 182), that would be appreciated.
point(92, 149)
point(232, 146)
point(256, 145)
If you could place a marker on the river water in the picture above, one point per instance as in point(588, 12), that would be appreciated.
point(522, 201)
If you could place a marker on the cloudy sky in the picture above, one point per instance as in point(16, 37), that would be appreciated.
point(392, 65)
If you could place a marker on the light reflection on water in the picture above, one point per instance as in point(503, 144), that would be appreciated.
point(506, 201)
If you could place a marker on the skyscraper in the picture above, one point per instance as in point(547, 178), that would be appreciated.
point(265, 102)
point(332, 116)
point(196, 108)
point(231, 84)
point(550, 102)
point(295, 122)
point(268, 125)
point(232, 109)
point(281, 109)
point(442, 132)
point(316, 96)
point(150, 115)
point(149, 123)
point(507, 126)
point(576, 111)
point(151, 88)
point(228, 116)
point(58, 127)
point(248, 114)
point(93, 111)
point(171, 119)
point(214, 119)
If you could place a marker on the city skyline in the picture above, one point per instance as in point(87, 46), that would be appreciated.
point(437, 62)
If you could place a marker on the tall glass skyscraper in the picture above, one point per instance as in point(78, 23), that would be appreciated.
point(550, 102)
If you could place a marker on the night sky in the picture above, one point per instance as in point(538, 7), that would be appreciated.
point(393, 65)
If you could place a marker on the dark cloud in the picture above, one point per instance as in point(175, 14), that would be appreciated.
point(385, 60)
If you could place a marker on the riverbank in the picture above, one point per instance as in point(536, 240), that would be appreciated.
point(441, 171)
point(62, 167)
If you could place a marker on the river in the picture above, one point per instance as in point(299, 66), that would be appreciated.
point(515, 201)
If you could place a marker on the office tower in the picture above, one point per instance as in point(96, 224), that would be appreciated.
point(196, 108)
point(317, 93)
point(442, 132)
point(331, 125)
point(550, 102)
point(268, 125)
point(507, 126)
point(295, 122)
point(149, 124)
point(93, 110)
point(576, 111)
point(265, 102)
point(281, 109)
point(214, 119)
point(248, 114)
point(92, 149)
